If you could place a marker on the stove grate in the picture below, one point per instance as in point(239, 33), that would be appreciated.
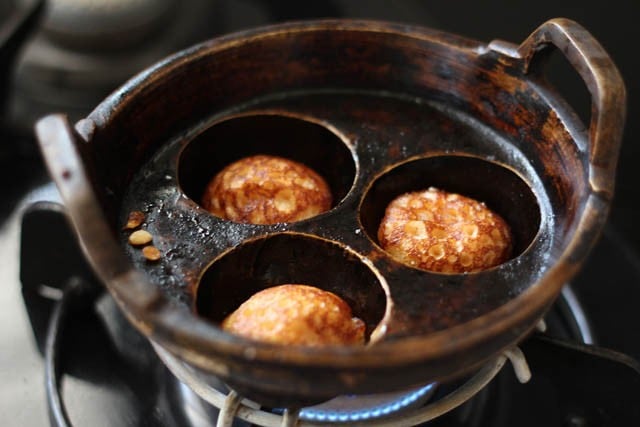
point(233, 406)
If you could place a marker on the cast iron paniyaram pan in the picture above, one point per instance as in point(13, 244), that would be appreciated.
point(378, 109)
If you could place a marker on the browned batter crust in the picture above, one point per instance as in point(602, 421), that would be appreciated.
point(444, 232)
point(265, 189)
point(297, 315)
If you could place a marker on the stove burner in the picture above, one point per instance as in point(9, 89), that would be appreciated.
point(367, 407)
point(232, 405)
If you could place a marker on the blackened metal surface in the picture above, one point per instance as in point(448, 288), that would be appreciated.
point(47, 267)
point(569, 387)
point(383, 131)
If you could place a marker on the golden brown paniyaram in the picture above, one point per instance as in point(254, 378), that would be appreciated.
point(444, 232)
point(295, 314)
point(265, 189)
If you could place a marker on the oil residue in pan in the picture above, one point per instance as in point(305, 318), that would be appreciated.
point(370, 147)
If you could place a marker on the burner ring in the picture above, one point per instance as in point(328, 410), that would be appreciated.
point(248, 411)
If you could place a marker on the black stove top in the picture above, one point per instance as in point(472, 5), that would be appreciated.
point(112, 377)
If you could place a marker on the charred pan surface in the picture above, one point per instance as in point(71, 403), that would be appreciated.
point(401, 144)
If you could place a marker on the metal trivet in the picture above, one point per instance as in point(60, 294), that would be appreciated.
point(232, 405)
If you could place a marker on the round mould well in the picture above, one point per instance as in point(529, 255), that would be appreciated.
point(296, 259)
point(501, 189)
point(293, 138)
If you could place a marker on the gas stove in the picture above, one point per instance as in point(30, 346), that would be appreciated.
point(76, 360)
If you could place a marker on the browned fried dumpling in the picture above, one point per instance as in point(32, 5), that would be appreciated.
point(297, 315)
point(444, 232)
point(265, 189)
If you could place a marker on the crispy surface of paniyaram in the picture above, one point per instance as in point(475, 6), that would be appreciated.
point(296, 314)
point(444, 232)
point(264, 189)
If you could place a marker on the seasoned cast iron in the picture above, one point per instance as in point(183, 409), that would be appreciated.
point(378, 109)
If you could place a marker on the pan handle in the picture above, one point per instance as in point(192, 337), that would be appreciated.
point(604, 82)
point(61, 147)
